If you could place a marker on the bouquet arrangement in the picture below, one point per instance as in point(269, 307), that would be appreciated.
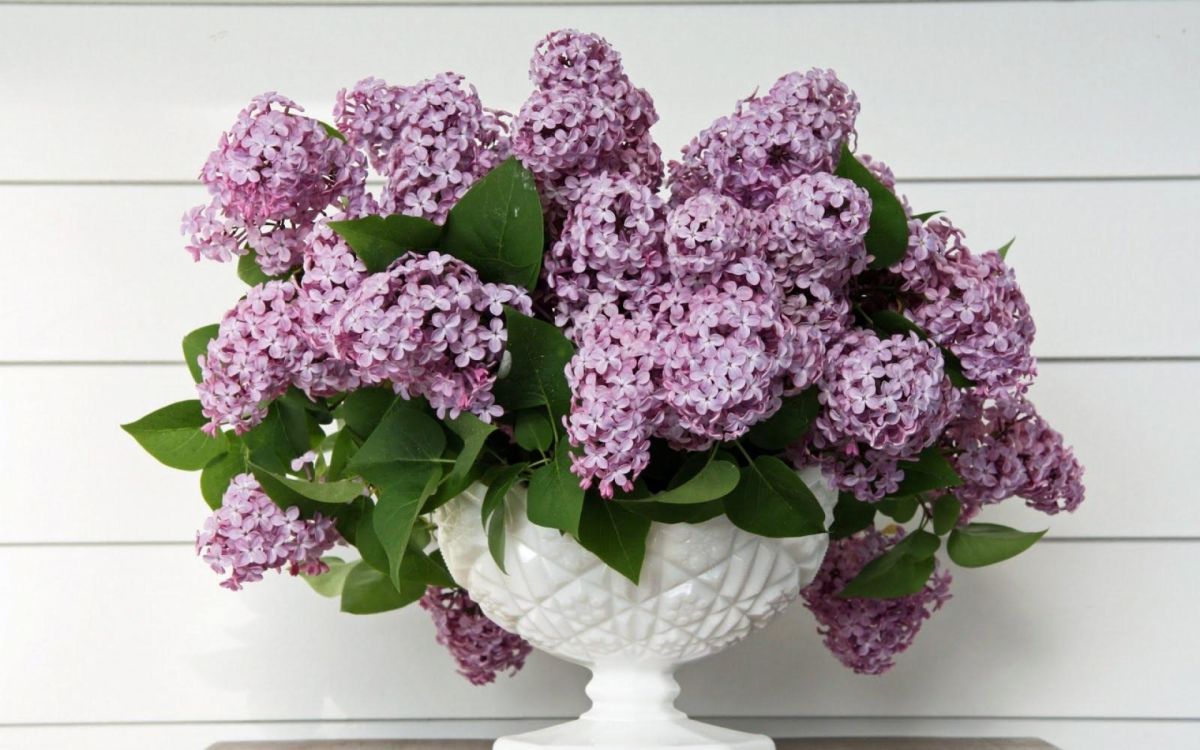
point(512, 300)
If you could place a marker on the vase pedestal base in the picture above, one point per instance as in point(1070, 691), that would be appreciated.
point(676, 734)
point(633, 708)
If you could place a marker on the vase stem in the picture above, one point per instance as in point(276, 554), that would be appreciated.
point(624, 691)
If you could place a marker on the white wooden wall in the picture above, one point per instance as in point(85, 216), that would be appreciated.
point(1071, 125)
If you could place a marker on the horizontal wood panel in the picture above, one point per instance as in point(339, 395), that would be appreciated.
point(1066, 734)
point(74, 476)
point(112, 281)
point(141, 92)
point(1064, 630)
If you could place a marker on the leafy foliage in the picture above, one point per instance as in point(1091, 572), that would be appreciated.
point(978, 544)
point(172, 435)
point(887, 238)
point(497, 226)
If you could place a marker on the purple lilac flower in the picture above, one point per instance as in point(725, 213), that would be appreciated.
point(430, 327)
point(331, 271)
point(891, 395)
point(1005, 448)
point(571, 59)
point(866, 635)
point(262, 347)
point(813, 233)
point(726, 350)
point(271, 176)
point(797, 128)
point(611, 247)
point(706, 233)
point(251, 361)
point(249, 535)
point(585, 118)
point(615, 404)
point(970, 304)
point(481, 648)
point(431, 141)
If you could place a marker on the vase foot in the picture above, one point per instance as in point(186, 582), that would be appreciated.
point(676, 734)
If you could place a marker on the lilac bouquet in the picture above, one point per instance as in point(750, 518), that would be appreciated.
point(512, 299)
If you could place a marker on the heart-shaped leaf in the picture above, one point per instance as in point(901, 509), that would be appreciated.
point(789, 424)
point(380, 240)
point(887, 237)
point(497, 226)
point(555, 499)
point(771, 500)
point(615, 535)
point(195, 345)
point(978, 544)
point(172, 435)
point(540, 354)
point(901, 571)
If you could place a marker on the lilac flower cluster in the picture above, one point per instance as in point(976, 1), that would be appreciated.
point(431, 328)
point(271, 176)
point(797, 128)
point(610, 249)
point(430, 141)
point(585, 118)
point(866, 635)
point(249, 535)
point(1005, 448)
point(887, 397)
point(481, 648)
point(970, 304)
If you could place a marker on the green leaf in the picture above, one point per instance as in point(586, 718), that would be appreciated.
point(404, 435)
point(978, 544)
point(714, 481)
point(367, 592)
point(332, 132)
point(216, 476)
point(555, 499)
point(493, 511)
point(367, 541)
point(887, 238)
point(362, 410)
point(540, 354)
point(946, 512)
point(899, 509)
point(1003, 251)
point(497, 226)
point(331, 582)
point(788, 424)
point(927, 215)
point(534, 431)
point(379, 240)
point(427, 570)
point(281, 436)
point(250, 272)
point(400, 502)
point(771, 500)
point(662, 513)
point(341, 491)
point(195, 345)
point(892, 322)
point(283, 494)
point(172, 435)
point(931, 471)
point(615, 535)
point(473, 432)
point(901, 571)
point(344, 449)
point(850, 516)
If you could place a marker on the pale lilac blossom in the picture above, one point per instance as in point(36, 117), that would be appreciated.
point(250, 535)
point(480, 647)
point(866, 635)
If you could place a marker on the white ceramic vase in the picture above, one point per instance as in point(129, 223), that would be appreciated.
point(703, 587)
